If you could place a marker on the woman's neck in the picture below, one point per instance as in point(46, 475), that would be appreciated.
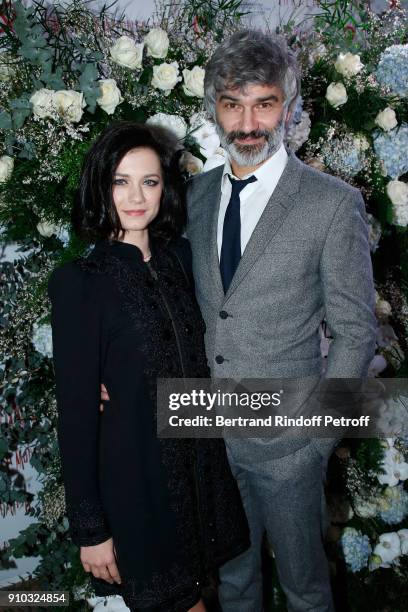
point(139, 239)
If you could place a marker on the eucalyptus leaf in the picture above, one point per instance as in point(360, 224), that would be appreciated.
point(5, 121)
point(19, 116)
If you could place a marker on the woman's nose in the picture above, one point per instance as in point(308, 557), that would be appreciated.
point(135, 193)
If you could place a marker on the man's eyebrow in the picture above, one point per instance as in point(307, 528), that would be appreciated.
point(263, 99)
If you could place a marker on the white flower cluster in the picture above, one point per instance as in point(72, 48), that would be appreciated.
point(397, 191)
point(389, 549)
point(395, 468)
point(42, 339)
point(129, 54)
point(6, 168)
point(69, 104)
point(389, 504)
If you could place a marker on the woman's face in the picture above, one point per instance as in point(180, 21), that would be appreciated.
point(137, 188)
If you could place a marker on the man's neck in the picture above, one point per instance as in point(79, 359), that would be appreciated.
point(241, 171)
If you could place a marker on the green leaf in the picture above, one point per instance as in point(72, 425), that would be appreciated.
point(89, 85)
point(5, 121)
point(19, 116)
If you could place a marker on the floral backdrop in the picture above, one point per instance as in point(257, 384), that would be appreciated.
point(65, 73)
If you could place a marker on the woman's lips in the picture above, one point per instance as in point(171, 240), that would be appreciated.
point(134, 213)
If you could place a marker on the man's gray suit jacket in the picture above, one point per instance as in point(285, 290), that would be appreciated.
point(308, 259)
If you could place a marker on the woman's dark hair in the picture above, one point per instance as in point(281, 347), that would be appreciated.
point(94, 213)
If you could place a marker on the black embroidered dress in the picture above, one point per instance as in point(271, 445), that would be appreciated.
point(171, 506)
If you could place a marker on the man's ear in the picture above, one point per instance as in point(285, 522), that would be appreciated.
point(288, 117)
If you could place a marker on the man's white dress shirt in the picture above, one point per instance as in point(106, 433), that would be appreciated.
point(254, 196)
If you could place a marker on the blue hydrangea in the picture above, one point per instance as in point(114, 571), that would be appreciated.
point(398, 507)
point(356, 548)
point(392, 148)
point(343, 157)
point(392, 70)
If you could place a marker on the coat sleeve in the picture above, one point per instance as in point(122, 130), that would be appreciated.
point(75, 320)
point(348, 289)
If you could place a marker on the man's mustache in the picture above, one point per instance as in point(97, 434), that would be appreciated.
point(231, 136)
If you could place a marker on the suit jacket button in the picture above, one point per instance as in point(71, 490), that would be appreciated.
point(224, 314)
point(219, 359)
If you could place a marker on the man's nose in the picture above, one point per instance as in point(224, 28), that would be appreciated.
point(249, 121)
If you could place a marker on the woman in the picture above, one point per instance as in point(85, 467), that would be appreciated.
point(152, 517)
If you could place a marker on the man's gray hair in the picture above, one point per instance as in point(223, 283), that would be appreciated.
point(251, 57)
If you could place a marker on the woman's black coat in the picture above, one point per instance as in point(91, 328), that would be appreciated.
point(171, 506)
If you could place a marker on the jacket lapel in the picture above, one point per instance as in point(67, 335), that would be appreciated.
point(275, 212)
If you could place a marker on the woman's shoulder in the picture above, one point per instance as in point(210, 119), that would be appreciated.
point(72, 276)
point(66, 275)
point(181, 246)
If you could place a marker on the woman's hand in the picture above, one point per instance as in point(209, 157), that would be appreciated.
point(101, 561)
point(104, 397)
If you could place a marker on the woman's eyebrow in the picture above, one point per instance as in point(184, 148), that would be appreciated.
point(145, 176)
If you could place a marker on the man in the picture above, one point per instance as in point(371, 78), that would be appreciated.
point(272, 257)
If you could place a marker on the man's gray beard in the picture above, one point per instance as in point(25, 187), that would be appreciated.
point(252, 155)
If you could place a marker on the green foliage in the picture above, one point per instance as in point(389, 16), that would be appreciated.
point(369, 454)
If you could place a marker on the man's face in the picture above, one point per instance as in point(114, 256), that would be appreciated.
point(251, 123)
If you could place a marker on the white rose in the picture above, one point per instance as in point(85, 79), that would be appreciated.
point(110, 97)
point(175, 123)
point(191, 164)
point(348, 64)
point(166, 77)
point(46, 229)
point(397, 191)
point(194, 82)
point(6, 168)
point(43, 103)
point(403, 536)
point(383, 309)
point(204, 132)
point(336, 94)
point(388, 548)
point(69, 104)
point(386, 119)
point(127, 53)
point(157, 43)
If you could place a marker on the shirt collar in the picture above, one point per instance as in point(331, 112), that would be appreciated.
point(266, 174)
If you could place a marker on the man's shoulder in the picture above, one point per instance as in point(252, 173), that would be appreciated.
point(200, 182)
point(324, 184)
